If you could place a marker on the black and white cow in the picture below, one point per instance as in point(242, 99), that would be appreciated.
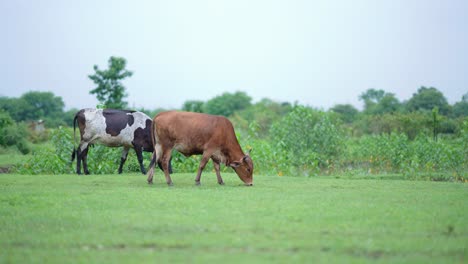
point(112, 128)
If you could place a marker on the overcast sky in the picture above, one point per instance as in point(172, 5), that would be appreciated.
point(318, 53)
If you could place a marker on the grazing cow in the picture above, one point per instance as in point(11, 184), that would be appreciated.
point(195, 133)
point(112, 128)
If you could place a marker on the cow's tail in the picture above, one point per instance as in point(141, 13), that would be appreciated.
point(153, 141)
point(154, 157)
point(74, 138)
point(153, 136)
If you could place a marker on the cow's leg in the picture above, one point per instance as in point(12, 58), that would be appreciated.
point(123, 158)
point(84, 156)
point(166, 158)
point(151, 168)
point(139, 153)
point(205, 159)
point(218, 174)
point(78, 160)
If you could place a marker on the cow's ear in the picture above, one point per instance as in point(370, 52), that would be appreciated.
point(234, 164)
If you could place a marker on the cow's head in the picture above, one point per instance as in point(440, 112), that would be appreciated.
point(244, 169)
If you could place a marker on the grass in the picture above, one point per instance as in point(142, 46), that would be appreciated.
point(10, 157)
point(121, 219)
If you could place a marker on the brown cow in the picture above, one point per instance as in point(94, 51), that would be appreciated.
point(195, 133)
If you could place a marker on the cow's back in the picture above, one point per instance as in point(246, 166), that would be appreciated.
point(112, 127)
point(191, 133)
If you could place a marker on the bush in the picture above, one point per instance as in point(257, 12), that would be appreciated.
point(13, 134)
point(395, 152)
point(308, 138)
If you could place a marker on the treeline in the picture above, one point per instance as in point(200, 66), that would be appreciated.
point(427, 111)
point(424, 135)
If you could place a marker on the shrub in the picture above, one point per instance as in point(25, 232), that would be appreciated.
point(308, 138)
point(13, 134)
point(395, 152)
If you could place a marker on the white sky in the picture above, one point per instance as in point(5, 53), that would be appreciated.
point(318, 53)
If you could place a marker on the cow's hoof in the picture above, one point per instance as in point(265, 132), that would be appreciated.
point(197, 183)
point(170, 184)
point(150, 182)
point(221, 183)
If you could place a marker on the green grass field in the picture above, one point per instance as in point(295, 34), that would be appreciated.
point(120, 218)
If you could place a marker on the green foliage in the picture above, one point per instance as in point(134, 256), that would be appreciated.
point(5, 119)
point(193, 106)
point(13, 134)
point(460, 109)
point(311, 138)
point(33, 106)
point(412, 124)
point(227, 103)
point(395, 152)
point(286, 139)
point(378, 102)
point(262, 114)
point(428, 98)
point(68, 117)
point(151, 113)
point(109, 88)
point(53, 159)
point(346, 112)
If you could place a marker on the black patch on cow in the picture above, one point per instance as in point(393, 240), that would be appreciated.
point(80, 117)
point(142, 137)
point(117, 120)
point(130, 120)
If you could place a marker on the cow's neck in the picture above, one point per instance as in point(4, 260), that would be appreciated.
point(234, 154)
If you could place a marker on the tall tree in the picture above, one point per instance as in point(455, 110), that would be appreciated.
point(110, 90)
point(227, 103)
point(34, 105)
point(371, 97)
point(347, 112)
point(378, 102)
point(428, 98)
point(461, 108)
point(193, 106)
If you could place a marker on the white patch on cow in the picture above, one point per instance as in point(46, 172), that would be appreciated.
point(157, 147)
point(95, 130)
point(180, 147)
point(218, 156)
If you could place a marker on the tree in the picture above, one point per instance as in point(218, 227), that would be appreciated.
point(41, 105)
point(110, 90)
point(426, 99)
point(347, 112)
point(11, 106)
point(12, 133)
point(227, 103)
point(259, 117)
point(377, 102)
point(388, 104)
point(35, 105)
point(193, 106)
point(371, 97)
point(461, 108)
